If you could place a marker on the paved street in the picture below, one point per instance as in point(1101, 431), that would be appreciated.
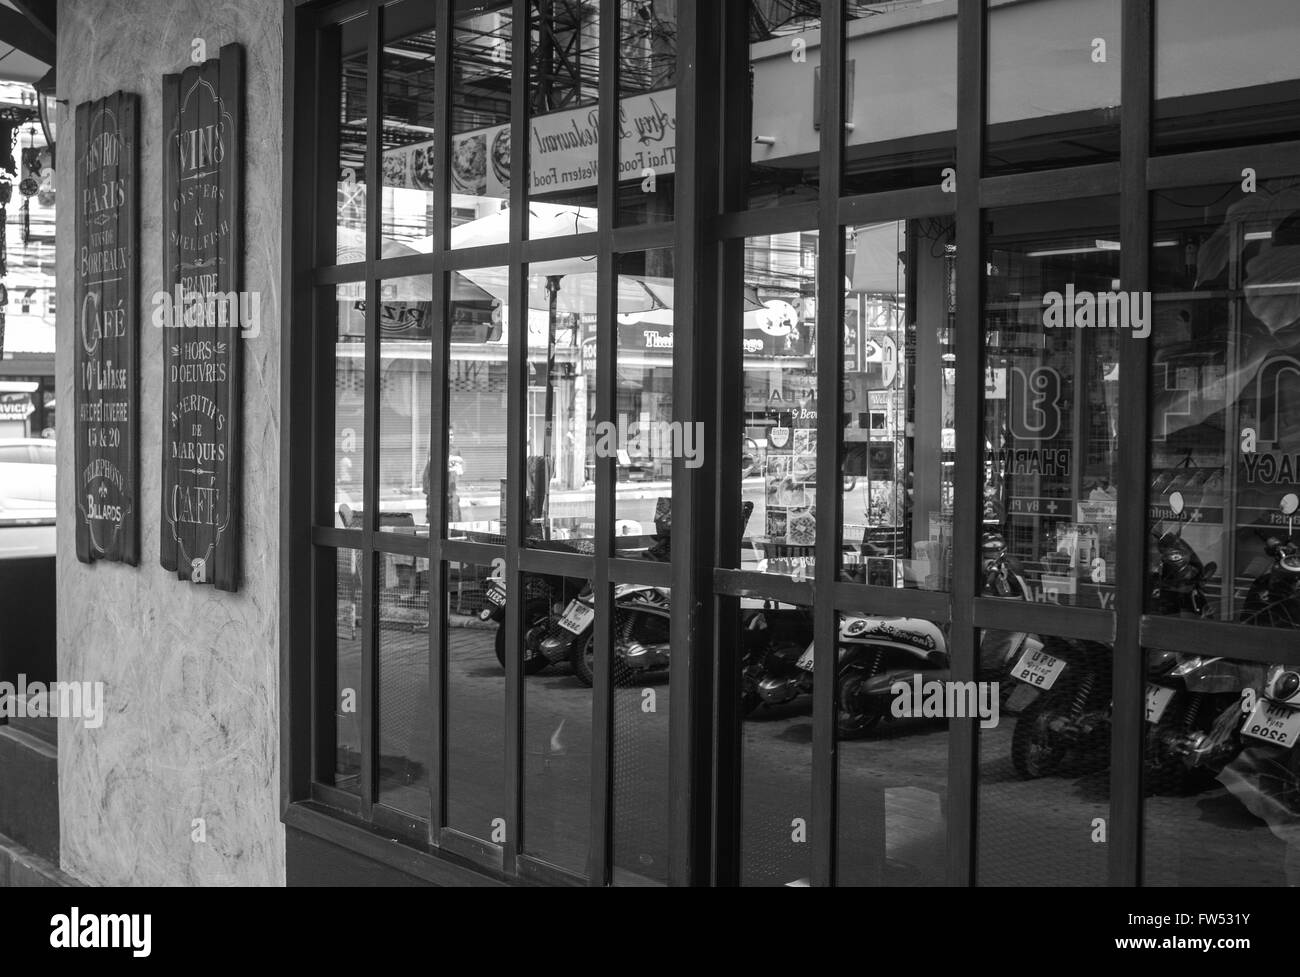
point(892, 785)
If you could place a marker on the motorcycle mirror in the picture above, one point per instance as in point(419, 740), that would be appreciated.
point(1176, 502)
point(1290, 502)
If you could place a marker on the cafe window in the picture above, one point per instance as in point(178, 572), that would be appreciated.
point(662, 554)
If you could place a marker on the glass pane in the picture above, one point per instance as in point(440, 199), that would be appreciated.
point(776, 743)
point(785, 86)
point(405, 711)
point(350, 204)
point(900, 94)
point(779, 451)
point(560, 429)
point(482, 51)
point(557, 720)
point(1225, 402)
point(475, 706)
point(349, 404)
point(645, 436)
point(1225, 74)
point(347, 669)
point(647, 80)
point(894, 700)
point(408, 128)
point(1053, 84)
point(1221, 808)
point(563, 91)
point(476, 405)
point(405, 365)
point(1054, 317)
point(1044, 768)
point(897, 402)
point(640, 743)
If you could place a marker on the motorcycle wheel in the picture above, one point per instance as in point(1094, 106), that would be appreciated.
point(583, 659)
point(534, 613)
point(1033, 753)
point(855, 712)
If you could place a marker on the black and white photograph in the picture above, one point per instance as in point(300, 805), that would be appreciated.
point(361, 359)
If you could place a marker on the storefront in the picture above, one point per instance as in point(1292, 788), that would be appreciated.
point(661, 384)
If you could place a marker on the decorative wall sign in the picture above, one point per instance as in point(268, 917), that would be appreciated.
point(107, 294)
point(203, 243)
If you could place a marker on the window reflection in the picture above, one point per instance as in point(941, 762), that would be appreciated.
point(779, 432)
point(896, 445)
point(476, 406)
point(771, 640)
point(893, 748)
point(1053, 83)
point(560, 434)
point(1225, 74)
point(1225, 401)
point(1054, 317)
point(407, 131)
point(1044, 767)
point(350, 131)
point(482, 51)
point(475, 702)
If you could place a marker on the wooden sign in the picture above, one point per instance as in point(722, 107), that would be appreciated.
point(203, 245)
point(107, 315)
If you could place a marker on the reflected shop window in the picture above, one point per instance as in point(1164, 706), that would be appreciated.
point(348, 303)
point(1225, 403)
point(896, 447)
point(1054, 317)
point(407, 130)
point(779, 433)
point(1044, 766)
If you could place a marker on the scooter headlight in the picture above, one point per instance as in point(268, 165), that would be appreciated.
point(1284, 686)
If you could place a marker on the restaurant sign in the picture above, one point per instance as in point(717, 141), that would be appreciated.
point(202, 256)
point(107, 312)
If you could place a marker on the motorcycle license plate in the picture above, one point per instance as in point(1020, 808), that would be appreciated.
point(1158, 699)
point(577, 616)
point(1039, 669)
point(805, 660)
point(496, 597)
point(1273, 723)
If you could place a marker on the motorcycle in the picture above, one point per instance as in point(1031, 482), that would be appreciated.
point(1265, 774)
point(873, 654)
point(1071, 713)
point(999, 650)
point(1191, 700)
point(545, 599)
point(642, 616)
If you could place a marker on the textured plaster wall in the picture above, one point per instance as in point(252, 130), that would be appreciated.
point(190, 674)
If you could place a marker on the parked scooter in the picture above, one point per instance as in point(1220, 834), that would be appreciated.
point(1191, 700)
point(1265, 775)
point(873, 653)
point(642, 615)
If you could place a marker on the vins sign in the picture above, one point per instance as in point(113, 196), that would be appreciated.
point(107, 295)
point(203, 244)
